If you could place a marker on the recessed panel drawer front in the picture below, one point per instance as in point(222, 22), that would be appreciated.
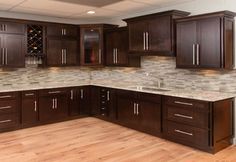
point(9, 120)
point(29, 94)
point(8, 95)
point(51, 92)
point(186, 134)
point(8, 106)
point(189, 116)
point(187, 103)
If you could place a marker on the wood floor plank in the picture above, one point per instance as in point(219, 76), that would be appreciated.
point(94, 140)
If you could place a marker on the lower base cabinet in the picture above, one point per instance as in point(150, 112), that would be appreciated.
point(53, 105)
point(141, 111)
point(84, 100)
point(29, 108)
point(204, 125)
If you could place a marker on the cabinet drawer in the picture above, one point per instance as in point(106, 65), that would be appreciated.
point(29, 94)
point(9, 120)
point(188, 116)
point(186, 134)
point(187, 103)
point(8, 106)
point(56, 91)
point(8, 95)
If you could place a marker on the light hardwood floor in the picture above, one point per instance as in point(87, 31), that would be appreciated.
point(94, 140)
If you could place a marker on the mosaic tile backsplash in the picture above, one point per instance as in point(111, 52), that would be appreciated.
point(153, 69)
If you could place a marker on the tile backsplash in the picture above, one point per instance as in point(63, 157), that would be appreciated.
point(153, 68)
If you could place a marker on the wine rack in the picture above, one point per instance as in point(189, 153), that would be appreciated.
point(35, 44)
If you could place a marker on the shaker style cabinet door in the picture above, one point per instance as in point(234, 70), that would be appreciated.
point(54, 52)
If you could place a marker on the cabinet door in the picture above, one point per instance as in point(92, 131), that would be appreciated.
point(74, 102)
point(91, 46)
point(29, 108)
point(159, 33)
point(122, 47)
point(12, 28)
point(71, 31)
point(136, 35)
point(95, 100)
point(84, 99)
point(150, 120)
point(46, 107)
point(15, 50)
point(110, 48)
point(61, 106)
point(209, 40)
point(186, 41)
point(54, 52)
point(126, 109)
point(71, 51)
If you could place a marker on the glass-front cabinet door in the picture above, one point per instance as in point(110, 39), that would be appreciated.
point(91, 46)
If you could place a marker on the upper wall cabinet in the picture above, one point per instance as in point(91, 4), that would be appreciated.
point(12, 27)
point(153, 34)
point(206, 41)
point(117, 45)
point(60, 30)
point(91, 44)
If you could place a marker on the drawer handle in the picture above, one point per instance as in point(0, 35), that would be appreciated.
point(5, 121)
point(183, 132)
point(5, 96)
point(183, 103)
point(29, 94)
point(54, 92)
point(5, 107)
point(183, 116)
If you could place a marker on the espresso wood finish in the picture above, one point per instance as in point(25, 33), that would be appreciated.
point(29, 108)
point(62, 52)
point(95, 100)
point(53, 105)
point(92, 44)
point(198, 124)
point(84, 100)
point(117, 46)
point(153, 34)
point(206, 41)
point(11, 27)
point(74, 101)
point(61, 30)
point(139, 111)
point(9, 111)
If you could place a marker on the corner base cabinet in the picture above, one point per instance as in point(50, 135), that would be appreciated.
point(204, 125)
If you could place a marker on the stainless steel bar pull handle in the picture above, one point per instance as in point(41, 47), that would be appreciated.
point(108, 95)
point(35, 106)
point(144, 40)
point(5, 107)
point(183, 132)
point(194, 54)
point(81, 93)
point(71, 94)
point(183, 103)
point(183, 116)
point(6, 55)
point(198, 56)
point(135, 108)
point(62, 31)
point(5, 121)
point(53, 104)
point(29, 94)
point(54, 92)
point(56, 103)
point(147, 41)
point(3, 56)
point(100, 56)
point(8, 96)
point(114, 55)
point(65, 54)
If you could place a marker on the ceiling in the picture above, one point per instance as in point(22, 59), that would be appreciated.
point(77, 9)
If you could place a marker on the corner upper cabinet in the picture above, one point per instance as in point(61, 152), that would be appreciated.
point(206, 41)
point(153, 34)
point(91, 44)
point(117, 46)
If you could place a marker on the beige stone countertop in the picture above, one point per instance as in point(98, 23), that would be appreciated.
point(209, 96)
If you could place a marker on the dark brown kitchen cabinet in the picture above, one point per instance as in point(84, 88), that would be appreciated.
point(153, 34)
point(10, 27)
point(9, 56)
point(84, 100)
point(197, 123)
point(61, 30)
point(29, 108)
point(53, 104)
point(62, 52)
point(139, 111)
point(95, 100)
point(74, 102)
point(9, 111)
point(206, 41)
point(117, 46)
point(91, 44)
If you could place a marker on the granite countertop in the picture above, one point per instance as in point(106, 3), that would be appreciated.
point(209, 96)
